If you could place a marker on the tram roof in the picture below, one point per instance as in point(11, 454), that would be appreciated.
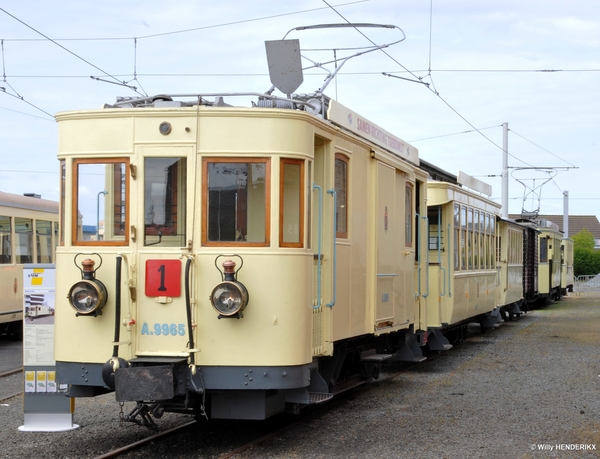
point(27, 202)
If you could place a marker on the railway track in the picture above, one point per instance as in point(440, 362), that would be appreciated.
point(277, 429)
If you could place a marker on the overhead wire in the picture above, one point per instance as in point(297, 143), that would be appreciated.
point(427, 86)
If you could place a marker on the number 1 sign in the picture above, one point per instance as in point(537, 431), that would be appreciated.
point(163, 278)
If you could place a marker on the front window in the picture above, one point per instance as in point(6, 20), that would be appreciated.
point(236, 202)
point(165, 201)
point(101, 214)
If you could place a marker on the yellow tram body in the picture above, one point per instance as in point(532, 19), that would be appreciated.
point(510, 260)
point(463, 282)
point(549, 260)
point(323, 224)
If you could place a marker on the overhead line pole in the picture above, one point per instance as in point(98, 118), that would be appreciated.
point(505, 171)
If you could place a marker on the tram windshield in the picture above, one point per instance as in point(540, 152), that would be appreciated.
point(100, 214)
point(165, 201)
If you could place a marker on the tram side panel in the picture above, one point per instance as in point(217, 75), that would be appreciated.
point(567, 273)
point(461, 255)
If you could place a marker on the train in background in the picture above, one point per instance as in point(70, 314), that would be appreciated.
point(251, 260)
point(28, 235)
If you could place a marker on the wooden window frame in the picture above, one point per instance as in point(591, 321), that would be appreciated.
point(238, 159)
point(75, 194)
point(282, 163)
point(342, 157)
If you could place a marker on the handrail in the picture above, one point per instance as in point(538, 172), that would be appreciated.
point(418, 294)
point(450, 257)
point(334, 274)
point(426, 257)
point(439, 251)
point(320, 241)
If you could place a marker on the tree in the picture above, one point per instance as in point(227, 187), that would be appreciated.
point(584, 240)
point(586, 260)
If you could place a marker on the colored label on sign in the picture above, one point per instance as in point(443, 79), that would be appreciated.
point(163, 278)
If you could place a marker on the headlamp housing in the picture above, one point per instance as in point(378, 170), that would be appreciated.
point(229, 298)
point(88, 297)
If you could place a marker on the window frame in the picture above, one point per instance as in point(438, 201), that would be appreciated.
point(282, 163)
point(343, 158)
point(75, 195)
point(237, 159)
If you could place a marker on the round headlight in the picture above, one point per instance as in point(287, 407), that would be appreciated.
point(229, 298)
point(87, 296)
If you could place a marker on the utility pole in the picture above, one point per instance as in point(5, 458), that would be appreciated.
point(505, 171)
point(565, 214)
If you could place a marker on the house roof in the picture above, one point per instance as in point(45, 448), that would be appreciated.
point(576, 223)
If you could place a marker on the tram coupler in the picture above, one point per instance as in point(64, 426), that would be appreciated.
point(142, 415)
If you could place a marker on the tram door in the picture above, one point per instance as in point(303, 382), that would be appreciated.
point(393, 289)
point(386, 235)
point(322, 240)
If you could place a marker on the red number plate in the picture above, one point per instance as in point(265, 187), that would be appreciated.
point(163, 278)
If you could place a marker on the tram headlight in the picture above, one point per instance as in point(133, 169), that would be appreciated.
point(229, 298)
point(88, 296)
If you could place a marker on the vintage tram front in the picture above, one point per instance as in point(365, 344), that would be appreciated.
point(211, 255)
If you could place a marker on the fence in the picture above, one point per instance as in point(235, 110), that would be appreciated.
point(587, 283)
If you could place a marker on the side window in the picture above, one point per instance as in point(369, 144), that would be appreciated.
point(100, 202)
point(291, 203)
point(43, 240)
point(5, 240)
point(341, 189)
point(463, 236)
point(235, 202)
point(457, 237)
point(408, 215)
point(165, 201)
point(23, 240)
point(543, 250)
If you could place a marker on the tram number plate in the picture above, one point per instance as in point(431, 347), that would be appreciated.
point(163, 278)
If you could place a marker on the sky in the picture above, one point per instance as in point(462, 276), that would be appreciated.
point(462, 70)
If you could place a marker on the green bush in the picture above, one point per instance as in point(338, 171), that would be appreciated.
point(586, 260)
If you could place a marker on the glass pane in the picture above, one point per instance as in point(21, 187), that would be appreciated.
point(408, 215)
point(291, 209)
point(341, 211)
point(43, 240)
point(237, 202)
point(101, 202)
point(5, 240)
point(165, 201)
point(24, 240)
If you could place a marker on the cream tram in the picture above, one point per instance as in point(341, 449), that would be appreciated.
point(463, 277)
point(567, 276)
point(246, 260)
point(549, 261)
point(28, 235)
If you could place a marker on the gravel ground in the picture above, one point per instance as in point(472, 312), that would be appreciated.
point(528, 387)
